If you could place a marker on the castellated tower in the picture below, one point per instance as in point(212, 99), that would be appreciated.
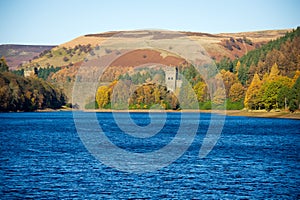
point(172, 78)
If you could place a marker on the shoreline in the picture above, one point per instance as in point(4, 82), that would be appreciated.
point(264, 114)
point(240, 113)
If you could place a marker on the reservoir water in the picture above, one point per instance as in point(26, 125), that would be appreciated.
point(43, 156)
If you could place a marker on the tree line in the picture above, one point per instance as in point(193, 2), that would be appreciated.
point(42, 73)
point(123, 94)
point(274, 91)
point(18, 93)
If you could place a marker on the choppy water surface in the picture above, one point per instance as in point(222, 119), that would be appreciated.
point(42, 156)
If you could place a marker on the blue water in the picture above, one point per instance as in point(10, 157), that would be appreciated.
point(42, 156)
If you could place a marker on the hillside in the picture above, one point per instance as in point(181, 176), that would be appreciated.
point(19, 54)
point(283, 51)
point(62, 63)
point(231, 45)
point(266, 78)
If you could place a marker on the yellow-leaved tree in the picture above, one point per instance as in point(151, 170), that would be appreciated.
point(103, 96)
point(201, 91)
point(228, 79)
point(274, 74)
point(237, 67)
point(252, 95)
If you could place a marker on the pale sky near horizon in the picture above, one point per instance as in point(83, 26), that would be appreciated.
point(53, 22)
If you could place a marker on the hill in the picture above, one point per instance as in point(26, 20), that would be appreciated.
point(218, 46)
point(19, 54)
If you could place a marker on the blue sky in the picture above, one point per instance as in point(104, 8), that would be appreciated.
point(58, 21)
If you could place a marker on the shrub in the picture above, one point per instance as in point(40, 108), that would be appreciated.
point(65, 59)
point(92, 105)
point(238, 105)
point(205, 105)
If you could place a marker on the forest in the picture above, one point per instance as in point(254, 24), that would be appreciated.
point(27, 94)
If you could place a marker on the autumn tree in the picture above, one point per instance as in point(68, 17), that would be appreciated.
point(103, 96)
point(229, 79)
point(201, 91)
point(187, 96)
point(150, 94)
point(172, 100)
point(237, 67)
point(270, 91)
point(274, 74)
point(236, 92)
point(121, 94)
point(252, 95)
point(157, 95)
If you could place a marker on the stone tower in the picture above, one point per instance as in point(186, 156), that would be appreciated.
point(171, 78)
